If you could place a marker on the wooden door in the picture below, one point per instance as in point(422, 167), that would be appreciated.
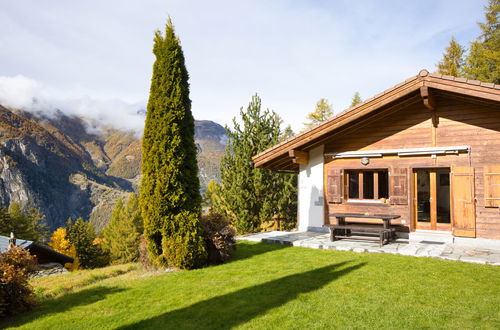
point(431, 204)
point(463, 200)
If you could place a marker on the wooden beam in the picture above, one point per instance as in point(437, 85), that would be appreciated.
point(311, 138)
point(375, 103)
point(299, 157)
point(279, 161)
point(428, 98)
point(464, 89)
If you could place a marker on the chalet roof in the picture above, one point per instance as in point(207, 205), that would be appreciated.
point(277, 157)
point(35, 249)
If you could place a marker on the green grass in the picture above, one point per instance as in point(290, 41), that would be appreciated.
point(272, 286)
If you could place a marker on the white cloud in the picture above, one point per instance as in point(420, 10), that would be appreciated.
point(290, 52)
point(27, 94)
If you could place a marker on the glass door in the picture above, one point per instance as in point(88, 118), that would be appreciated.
point(432, 199)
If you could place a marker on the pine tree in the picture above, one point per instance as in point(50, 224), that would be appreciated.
point(322, 112)
point(453, 60)
point(284, 204)
point(28, 226)
point(81, 234)
point(59, 242)
point(249, 196)
point(122, 234)
point(170, 198)
point(483, 61)
point(356, 99)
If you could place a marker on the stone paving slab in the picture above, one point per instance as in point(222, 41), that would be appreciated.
point(446, 251)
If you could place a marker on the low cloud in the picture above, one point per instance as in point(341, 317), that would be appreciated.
point(27, 94)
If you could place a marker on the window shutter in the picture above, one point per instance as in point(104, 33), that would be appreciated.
point(399, 186)
point(492, 186)
point(463, 201)
point(334, 185)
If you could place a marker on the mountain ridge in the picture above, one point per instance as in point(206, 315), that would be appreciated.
point(65, 167)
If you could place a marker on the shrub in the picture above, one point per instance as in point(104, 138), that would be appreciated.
point(16, 294)
point(219, 237)
point(185, 249)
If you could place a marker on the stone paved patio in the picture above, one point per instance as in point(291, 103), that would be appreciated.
point(446, 251)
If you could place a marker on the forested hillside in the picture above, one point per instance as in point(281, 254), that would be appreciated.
point(66, 167)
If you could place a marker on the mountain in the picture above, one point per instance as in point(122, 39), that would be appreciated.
point(67, 167)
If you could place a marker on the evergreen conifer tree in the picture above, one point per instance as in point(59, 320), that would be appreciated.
point(170, 198)
point(122, 234)
point(249, 196)
point(27, 226)
point(212, 194)
point(81, 234)
point(483, 61)
point(322, 112)
point(453, 60)
point(356, 99)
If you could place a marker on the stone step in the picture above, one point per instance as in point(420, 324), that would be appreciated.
point(430, 236)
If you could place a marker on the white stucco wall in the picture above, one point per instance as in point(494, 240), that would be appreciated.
point(310, 194)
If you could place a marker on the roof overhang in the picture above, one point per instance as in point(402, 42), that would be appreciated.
point(418, 88)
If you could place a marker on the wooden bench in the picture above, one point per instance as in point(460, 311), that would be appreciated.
point(345, 229)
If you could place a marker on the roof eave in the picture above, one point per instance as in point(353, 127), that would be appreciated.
point(309, 139)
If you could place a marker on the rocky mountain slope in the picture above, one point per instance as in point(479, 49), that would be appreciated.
point(66, 168)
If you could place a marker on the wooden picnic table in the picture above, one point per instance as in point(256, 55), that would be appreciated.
point(344, 229)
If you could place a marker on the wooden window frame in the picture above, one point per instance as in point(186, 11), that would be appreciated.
point(375, 171)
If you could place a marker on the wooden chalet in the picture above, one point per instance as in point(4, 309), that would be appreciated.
point(427, 149)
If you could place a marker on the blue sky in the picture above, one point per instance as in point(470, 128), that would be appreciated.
point(94, 57)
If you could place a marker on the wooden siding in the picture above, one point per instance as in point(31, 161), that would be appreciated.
point(461, 121)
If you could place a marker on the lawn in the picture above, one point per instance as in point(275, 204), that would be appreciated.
point(272, 286)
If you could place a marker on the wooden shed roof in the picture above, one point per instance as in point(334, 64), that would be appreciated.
point(282, 156)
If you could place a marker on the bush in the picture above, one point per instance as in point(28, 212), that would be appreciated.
point(16, 294)
point(184, 246)
point(219, 237)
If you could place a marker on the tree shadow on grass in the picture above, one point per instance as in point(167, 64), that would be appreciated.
point(247, 250)
point(233, 309)
point(62, 304)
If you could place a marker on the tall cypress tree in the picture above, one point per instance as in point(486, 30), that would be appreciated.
point(170, 198)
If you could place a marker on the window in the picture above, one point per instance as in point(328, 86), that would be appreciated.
point(367, 184)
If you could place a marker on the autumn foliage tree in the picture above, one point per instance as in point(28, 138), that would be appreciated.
point(322, 112)
point(170, 198)
point(16, 294)
point(59, 242)
point(453, 60)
